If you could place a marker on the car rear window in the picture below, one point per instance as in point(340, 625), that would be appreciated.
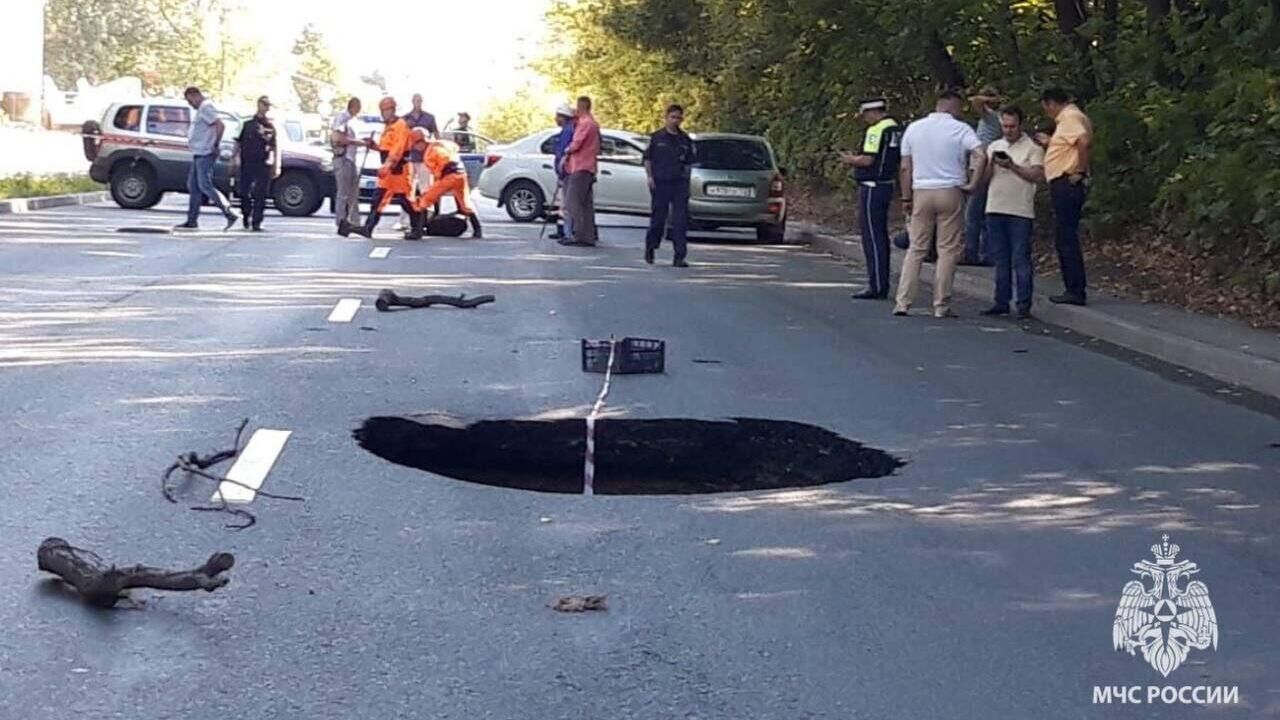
point(732, 154)
point(129, 118)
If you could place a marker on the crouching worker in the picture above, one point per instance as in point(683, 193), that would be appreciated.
point(393, 176)
point(448, 177)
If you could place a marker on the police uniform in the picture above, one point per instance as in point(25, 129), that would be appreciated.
point(883, 142)
point(670, 157)
point(258, 150)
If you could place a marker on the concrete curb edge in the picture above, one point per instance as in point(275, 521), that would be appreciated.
point(17, 206)
point(1231, 366)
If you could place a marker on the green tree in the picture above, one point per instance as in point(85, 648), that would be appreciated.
point(315, 69)
point(515, 116)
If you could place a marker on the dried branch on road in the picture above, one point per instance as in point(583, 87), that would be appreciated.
point(195, 464)
point(388, 299)
point(102, 585)
point(581, 603)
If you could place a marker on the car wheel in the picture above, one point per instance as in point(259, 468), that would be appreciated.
point(134, 187)
point(772, 233)
point(524, 201)
point(295, 194)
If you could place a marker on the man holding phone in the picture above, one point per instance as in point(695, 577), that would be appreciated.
point(1015, 169)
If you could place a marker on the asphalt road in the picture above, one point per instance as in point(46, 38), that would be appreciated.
point(980, 581)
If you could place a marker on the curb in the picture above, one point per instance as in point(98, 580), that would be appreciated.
point(1230, 366)
point(17, 206)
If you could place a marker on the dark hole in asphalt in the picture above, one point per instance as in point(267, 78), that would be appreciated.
point(633, 457)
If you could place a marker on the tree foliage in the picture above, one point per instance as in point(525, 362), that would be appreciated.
point(515, 116)
point(316, 71)
point(169, 44)
point(1185, 94)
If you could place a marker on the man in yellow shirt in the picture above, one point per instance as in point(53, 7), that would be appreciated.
point(1066, 168)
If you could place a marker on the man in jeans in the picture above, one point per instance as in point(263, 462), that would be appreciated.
point(346, 204)
point(1015, 165)
point(204, 137)
point(934, 180)
point(564, 120)
point(1066, 167)
point(580, 160)
point(976, 251)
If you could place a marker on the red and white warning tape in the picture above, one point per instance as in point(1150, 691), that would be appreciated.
point(589, 467)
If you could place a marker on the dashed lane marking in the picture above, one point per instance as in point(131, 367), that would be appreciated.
point(379, 253)
point(345, 310)
point(252, 466)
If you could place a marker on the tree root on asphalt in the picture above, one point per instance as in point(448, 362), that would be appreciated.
point(102, 585)
point(195, 464)
point(388, 299)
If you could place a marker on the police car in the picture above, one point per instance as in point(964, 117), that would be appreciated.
point(140, 152)
point(473, 158)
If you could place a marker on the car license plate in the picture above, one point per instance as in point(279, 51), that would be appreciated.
point(733, 191)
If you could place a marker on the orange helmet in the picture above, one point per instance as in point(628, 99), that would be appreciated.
point(387, 103)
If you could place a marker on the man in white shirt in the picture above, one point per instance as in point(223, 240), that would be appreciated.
point(935, 178)
point(1015, 168)
point(204, 137)
point(346, 204)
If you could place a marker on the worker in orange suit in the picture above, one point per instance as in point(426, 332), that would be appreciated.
point(393, 176)
point(448, 177)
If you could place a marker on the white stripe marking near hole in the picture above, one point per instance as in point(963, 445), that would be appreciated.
point(252, 465)
point(379, 253)
point(345, 310)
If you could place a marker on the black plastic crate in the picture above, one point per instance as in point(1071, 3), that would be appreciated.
point(633, 356)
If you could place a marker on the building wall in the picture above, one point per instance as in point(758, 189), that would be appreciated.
point(22, 56)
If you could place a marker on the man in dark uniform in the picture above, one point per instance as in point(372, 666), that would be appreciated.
point(667, 162)
point(874, 169)
point(258, 157)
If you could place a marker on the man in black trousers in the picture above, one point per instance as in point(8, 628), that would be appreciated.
point(667, 162)
point(258, 155)
point(875, 167)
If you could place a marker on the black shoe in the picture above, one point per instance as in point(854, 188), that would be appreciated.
point(557, 235)
point(363, 232)
point(245, 222)
point(1068, 299)
point(975, 263)
point(648, 255)
point(899, 313)
point(869, 295)
point(995, 310)
point(344, 228)
point(566, 241)
point(414, 234)
point(1024, 312)
point(680, 263)
point(256, 228)
point(186, 226)
point(232, 219)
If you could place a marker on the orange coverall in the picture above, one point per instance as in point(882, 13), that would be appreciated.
point(394, 143)
point(449, 175)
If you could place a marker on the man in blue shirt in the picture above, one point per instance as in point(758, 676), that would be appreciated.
point(564, 118)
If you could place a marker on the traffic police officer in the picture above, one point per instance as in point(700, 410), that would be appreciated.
point(667, 162)
point(875, 169)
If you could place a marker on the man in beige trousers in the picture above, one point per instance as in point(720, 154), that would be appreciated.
point(936, 177)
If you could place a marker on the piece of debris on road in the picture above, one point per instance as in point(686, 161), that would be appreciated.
point(388, 299)
point(102, 585)
point(581, 603)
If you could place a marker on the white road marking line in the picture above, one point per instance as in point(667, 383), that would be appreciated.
point(252, 466)
point(345, 310)
point(379, 253)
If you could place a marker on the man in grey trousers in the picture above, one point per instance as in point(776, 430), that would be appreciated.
point(346, 171)
point(580, 164)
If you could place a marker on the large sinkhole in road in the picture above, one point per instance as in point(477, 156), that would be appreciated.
point(633, 457)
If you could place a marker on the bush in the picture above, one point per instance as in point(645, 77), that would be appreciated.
point(27, 185)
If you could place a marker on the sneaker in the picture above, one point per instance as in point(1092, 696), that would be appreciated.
point(345, 228)
point(232, 219)
point(899, 312)
point(186, 226)
point(1024, 312)
point(1068, 299)
point(996, 310)
point(944, 313)
point(648, 255)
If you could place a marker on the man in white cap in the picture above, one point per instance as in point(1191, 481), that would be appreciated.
point(564, 119)
point(875, 167)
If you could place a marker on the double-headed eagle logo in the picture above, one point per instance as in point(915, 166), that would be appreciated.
point(1168, 619)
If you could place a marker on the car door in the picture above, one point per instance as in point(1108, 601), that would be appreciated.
point(621, 184)
point(472, 149)
point(165, 130)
